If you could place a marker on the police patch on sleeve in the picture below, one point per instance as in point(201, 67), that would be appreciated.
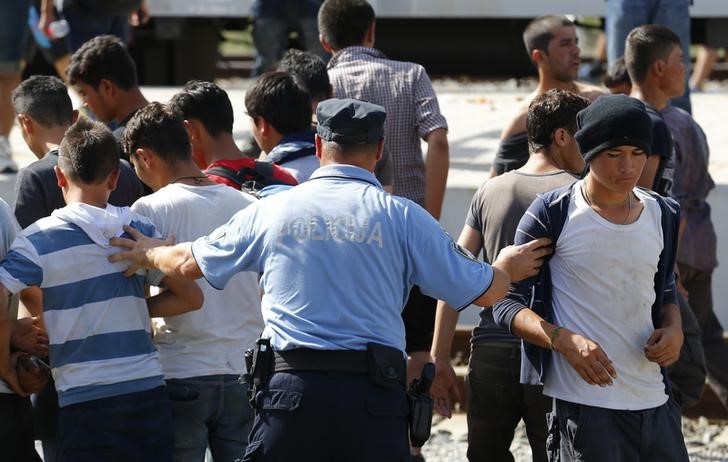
point(463, 251)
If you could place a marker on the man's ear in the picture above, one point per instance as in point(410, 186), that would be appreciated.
point(537, 55)
point(26, 123)
point(370, 36)
point(561, 137)
point(144, 156)
point(60, 177)
point(326, 46)
point(318, 147)
point(658, 67)
point(193, 129)
point(106, 88)
point(74, 117)
point(264, 127)
point(112, 179)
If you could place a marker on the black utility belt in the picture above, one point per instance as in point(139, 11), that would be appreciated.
point(305, 359)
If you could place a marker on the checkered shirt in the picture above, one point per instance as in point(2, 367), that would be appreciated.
point(405, 91)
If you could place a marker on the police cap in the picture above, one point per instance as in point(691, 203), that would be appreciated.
point(350, 121)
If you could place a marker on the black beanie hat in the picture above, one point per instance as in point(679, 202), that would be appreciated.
point(613, 120)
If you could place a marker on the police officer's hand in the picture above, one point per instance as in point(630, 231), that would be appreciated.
point(137, 248)
point(586, 357)
point(9, 374)
point(663, 346)
point(444, 386)
point(523, 261)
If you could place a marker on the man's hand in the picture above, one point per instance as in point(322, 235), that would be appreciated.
point(28, 336)
point(10, 375)
point(663, 346)
point(444, 386)
point(139, 16)
point(586, 357)
point(137, 252)
point(32, 375)
point(523, 261)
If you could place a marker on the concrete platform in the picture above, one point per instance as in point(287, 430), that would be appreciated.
point(476, 114)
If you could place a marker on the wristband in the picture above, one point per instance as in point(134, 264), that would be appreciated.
point(554, 334)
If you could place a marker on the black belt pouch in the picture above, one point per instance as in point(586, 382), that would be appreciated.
point(387, 367)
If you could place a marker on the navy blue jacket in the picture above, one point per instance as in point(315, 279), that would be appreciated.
point(545, 218)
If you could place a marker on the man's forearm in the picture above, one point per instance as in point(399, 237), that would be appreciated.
point(176, 261)
point(532, 328)
point(446, 320)
point(437, 165)
point(671, 316)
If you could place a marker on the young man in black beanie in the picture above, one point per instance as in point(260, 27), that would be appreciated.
point(600, 322)
point(490, 226)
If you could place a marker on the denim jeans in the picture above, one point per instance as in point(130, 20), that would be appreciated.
point(270, 37)
point(13, 34)
point(136, 426)
point(210, 410)
point(497, 402)
point(625, 15)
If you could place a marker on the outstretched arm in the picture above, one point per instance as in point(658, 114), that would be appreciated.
point(146, 252)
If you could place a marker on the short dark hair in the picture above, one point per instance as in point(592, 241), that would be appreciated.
point(539, 32)
point(207, 103)
point(645, 45)
point(281, 101)
point(617, 74)
point(310, 70)
point(88, 152)
point(45, 99)
point(344, 23)
point(161, 129)
point(550, 111)
point(102, 57)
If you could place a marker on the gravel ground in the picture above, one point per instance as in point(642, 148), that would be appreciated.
point(706, 442)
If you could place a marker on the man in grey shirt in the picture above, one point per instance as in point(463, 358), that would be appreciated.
point(497, 401)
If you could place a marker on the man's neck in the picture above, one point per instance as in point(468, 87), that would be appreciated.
point(220, 148)
point(547, 82)
point(47, 144)
point(94, 196)
point(129, 102)
point(650, 94)
point(539, 163)
point(185, 172)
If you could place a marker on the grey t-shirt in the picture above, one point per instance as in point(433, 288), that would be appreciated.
point(495, 210)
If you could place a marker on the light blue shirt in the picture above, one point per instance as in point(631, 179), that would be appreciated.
point(338, 257)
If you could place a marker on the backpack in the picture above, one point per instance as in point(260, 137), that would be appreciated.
point(254, 176)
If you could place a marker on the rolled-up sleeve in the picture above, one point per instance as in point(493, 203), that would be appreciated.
point(533, 225)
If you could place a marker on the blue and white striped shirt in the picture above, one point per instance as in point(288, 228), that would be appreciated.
point(96, 318)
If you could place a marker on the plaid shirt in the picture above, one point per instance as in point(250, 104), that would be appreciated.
point(405, 91)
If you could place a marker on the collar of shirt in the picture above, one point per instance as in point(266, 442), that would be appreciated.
point(292, 147)
point(346, 171)
point(355, 53)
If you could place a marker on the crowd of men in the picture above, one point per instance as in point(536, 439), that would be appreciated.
point(324, 256)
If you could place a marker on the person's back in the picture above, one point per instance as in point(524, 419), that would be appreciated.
point(97, 319)
point(202, 350)
point(357, 70)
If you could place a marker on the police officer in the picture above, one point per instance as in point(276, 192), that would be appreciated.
point(338, 257)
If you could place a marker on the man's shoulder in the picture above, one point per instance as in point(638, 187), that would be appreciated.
point(589, 91)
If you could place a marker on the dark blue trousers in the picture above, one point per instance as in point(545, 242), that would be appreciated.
point(580, 433)
point(136, 427)
point(328, 417)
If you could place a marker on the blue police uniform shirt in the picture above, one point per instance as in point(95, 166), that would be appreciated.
point(338, 257)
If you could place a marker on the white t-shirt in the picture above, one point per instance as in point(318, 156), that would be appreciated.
point(213, 339)
point(603, 288)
